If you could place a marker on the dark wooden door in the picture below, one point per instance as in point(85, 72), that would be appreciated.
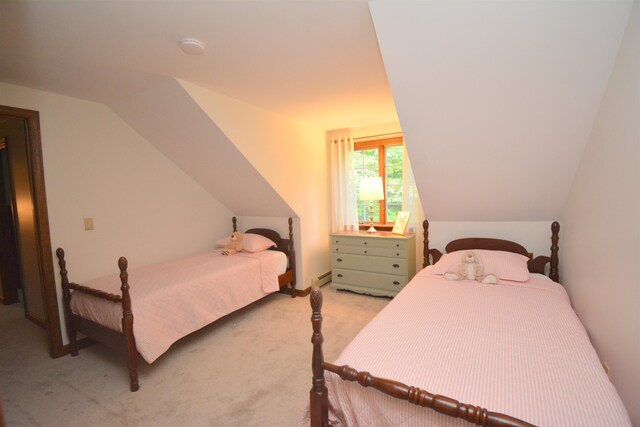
point(9, 271)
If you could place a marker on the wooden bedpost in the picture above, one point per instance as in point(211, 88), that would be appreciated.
point(127, 326)
point(425, 251)
point(235, 223)
point(66, 300)
point(555, 236)
point(429, 254)
point(319, 407)
point(292, 259)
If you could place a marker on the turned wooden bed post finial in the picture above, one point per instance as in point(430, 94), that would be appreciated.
point(290, 233)
point(127, 325)
point(319, 394)
point(555, 236)
point(425, 251)
point(235, 223)
point(292, 259)
point(64, 279)
point(66, 300)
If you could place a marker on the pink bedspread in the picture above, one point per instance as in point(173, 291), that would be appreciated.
point(515, 348)
point(172, 299)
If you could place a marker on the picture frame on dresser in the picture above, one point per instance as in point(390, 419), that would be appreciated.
point(402, 220)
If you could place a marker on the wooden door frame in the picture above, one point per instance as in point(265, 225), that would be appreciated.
point(45, 254)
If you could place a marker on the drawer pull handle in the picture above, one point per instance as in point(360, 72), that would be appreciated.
point(396, 266)
point(339, 260)
point(337, 249)
point(365, 252)
point(396, 254)
point(395, 282)
point(365, 243)
point(339, 275)
point(397, 245)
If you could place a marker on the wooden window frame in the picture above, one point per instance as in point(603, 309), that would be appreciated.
point(381, 144)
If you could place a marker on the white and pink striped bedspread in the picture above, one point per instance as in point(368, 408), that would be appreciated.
point(515, 348)
point(172, 299)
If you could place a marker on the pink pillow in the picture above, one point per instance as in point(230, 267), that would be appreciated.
point(505, 265)
point(256, 243)
point(223, 242)
point(250, 242)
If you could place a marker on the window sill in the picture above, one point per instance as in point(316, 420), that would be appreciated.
point(379, 227)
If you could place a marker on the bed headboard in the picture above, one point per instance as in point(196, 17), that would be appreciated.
point(485, 243)
point(282, 245)
point(536, 265)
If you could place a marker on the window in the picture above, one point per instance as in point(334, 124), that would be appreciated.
point(381, 157)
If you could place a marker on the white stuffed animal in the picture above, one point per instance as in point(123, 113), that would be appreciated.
point(471, 269)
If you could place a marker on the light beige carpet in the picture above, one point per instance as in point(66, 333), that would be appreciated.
point(251, 368)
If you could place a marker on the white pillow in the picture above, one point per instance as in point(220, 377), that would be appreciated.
point(505, 265)
point(250, 242)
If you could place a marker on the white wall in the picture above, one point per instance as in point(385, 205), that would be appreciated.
point(374, 130)
point(601, 231)
point(291, 156)
point(143, 206)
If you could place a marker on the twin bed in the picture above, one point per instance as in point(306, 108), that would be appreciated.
point(173, 299)
point(515, 347)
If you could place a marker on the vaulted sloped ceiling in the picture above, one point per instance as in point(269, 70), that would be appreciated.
point(167, 115)
point(311, 62)
point(497, 99)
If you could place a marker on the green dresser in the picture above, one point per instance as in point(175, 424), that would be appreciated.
point(376, 264)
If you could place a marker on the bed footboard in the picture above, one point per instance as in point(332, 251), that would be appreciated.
point(77, 323)
point(319, 406)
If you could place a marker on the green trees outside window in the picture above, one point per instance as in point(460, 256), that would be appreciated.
point(380, 158)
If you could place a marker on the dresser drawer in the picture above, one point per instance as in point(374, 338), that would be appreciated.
point(370, 263)
point(373, 264)
point(369, 242)
point(365, 279)
point(365, 250)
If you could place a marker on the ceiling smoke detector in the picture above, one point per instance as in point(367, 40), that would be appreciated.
point(192, 46)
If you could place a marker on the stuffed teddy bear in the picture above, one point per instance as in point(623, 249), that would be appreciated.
point(234, 246)
point(471, 269)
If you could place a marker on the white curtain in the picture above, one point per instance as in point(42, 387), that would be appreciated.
point(344, 204)
point(410, 199)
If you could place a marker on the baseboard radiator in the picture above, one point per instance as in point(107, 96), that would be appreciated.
point(321, 280)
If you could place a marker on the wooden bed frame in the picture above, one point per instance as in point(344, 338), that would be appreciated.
point(126, 340)
point(319, 399)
